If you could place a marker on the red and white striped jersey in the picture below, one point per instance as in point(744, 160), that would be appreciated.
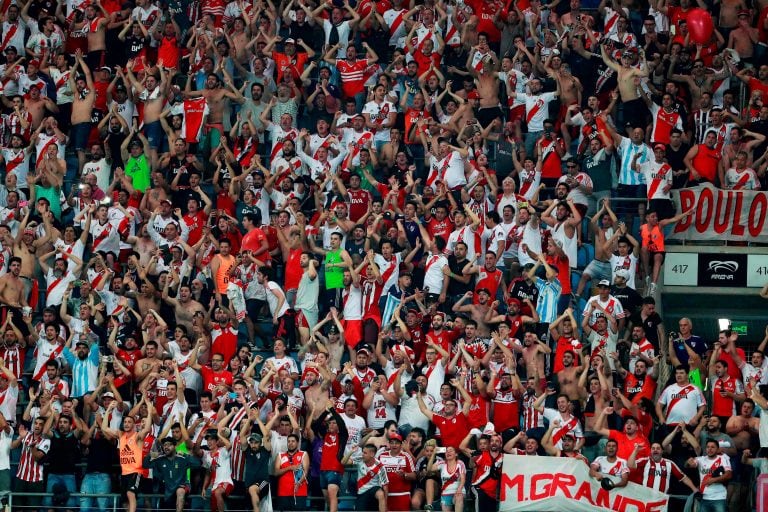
point(656, 475)
point(13, 357)
point(30, 470)
point(532, 418)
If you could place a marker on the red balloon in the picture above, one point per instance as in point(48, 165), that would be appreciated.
point(700, 25)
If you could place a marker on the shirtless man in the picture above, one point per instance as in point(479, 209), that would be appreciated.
point(82, 107)
point(316, 392)
point(488, 87)
point(153, 93)
point(570, 86)
point(600, 268)
point(477, 311)
point(628, 80)
point(730, 14)
point(150, 363)
point(744, 37)
point(96, 30)
point(568, 377)
point(37, 105)
point(214, 95)
point(12, 287)
point(27, 245)
point(744, 427)
point(184, 305)
point(533, 355)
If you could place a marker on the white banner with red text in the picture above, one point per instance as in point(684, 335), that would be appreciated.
point(734, 215)
point(558, 484)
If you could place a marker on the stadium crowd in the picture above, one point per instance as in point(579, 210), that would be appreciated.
point(259, 252)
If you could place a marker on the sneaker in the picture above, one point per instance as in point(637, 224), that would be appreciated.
point(428, 508)
point(652, 290)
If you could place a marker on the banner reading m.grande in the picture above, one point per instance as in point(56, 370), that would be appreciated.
point(734, 215)
point(556, 484)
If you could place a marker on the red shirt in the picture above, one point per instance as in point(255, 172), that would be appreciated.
point(328, 460)
point(253, 240)
point(563, 272)
point(440, 228)
point(564, 344)
point(211, 379)
point(452, 430)
point(293, 64)
point(627, 445)
point(358, 203)
point(352, 76)
point(478, 412)
point(195, 223)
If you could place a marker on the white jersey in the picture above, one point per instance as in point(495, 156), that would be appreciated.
point(515, 81)
point(352, 300)
point(658, 179)
point(433, 273)
point(56, 286)
point(378, 114)
point(395, 21)
point(610, 306)
point(707, 467)
point(614, 470)
point(451, 479)
point(628, 263)
point(101, 169)
point(105, 237)
point(536, 109)
point(569, 244)
point(355, 427)
point(571, 425)
point(682, 402)
point(745, 179)
point(380, 412)
point(220, 464)
point(17, 163)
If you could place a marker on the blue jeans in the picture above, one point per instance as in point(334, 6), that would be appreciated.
point(713, 506)
point(68, 481)
point(95, 483)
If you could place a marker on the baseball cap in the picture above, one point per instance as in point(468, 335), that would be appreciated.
point(744, 12)
point(290, 40)
point(166, 200)
point(486, 290)
point(11, 49)
point(34, 62)
point(82, 342)
point(255, 438)
point(660, 146)
point(622, 273)
point(604, 282)
point(473, 95)
point(512, 300)
point(108, 394)
point(396, 437)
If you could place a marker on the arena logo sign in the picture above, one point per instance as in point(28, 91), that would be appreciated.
point(531, 484)
point(722, 270)
point(734, 215)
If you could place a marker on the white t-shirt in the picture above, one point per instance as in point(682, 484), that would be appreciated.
point(682, 402)
point(628, 263)
point(273, 302)
point(613, 470)
point(706, 466)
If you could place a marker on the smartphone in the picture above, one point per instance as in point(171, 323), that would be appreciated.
point(22, 204)
point(232, 395)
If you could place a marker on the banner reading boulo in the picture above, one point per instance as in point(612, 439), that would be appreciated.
point(557, 484)
point(734, 215)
